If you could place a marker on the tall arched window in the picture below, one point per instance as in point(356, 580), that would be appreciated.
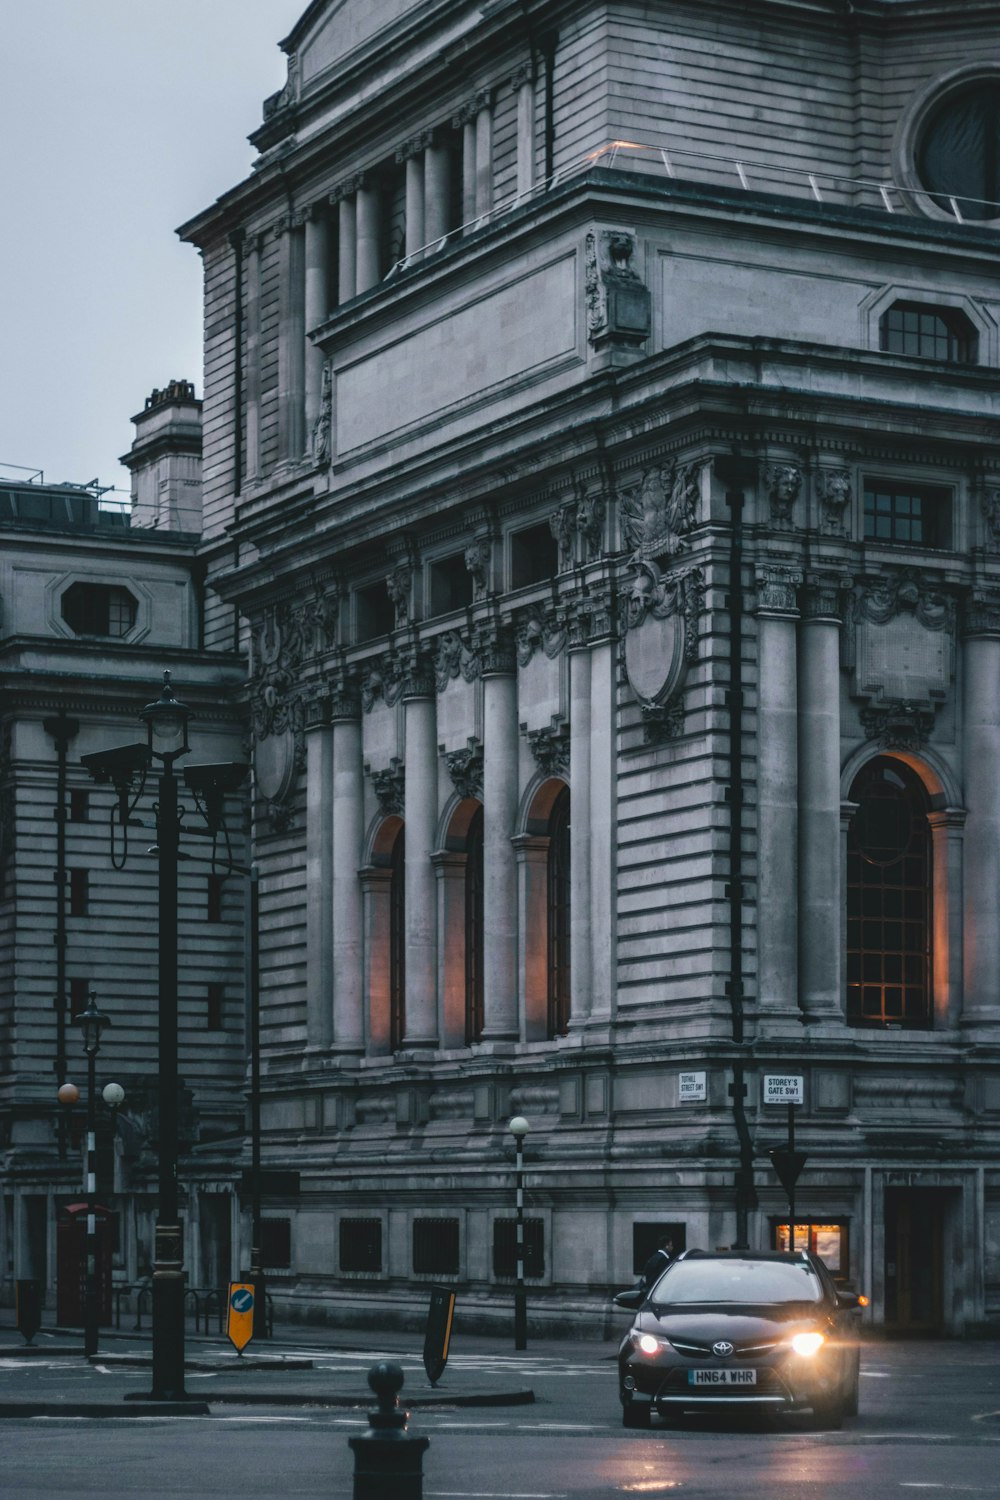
point(474, 929)
point(397, 943)
point(558, 913)
point(889, 899)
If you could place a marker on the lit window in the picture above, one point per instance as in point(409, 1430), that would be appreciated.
point(828, 1242)
point(928, 332)
point(889, 899)
point(909, 514)
point(98, 609)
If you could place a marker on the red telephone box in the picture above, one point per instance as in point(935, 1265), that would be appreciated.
point(71, 1263)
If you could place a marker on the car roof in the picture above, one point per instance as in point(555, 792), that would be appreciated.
point(789, 1257)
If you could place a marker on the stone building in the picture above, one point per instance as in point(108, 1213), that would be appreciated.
point(97, 602)
point(601, 449)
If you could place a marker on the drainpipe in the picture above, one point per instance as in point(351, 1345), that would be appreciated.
point(62, 730)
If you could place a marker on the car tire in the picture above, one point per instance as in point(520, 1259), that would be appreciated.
point(853, 1396)
point(636, 1414)
point(828, 1416)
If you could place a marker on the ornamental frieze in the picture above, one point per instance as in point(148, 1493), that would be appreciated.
point(454, 658)
point(657, 512)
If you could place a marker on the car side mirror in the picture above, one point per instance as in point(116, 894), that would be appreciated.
point(632, 1299)
point(847, 1300)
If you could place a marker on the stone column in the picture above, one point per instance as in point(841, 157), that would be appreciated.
point(369, 270)
point(465, 121)
point(319, 874)
point(253, 357)
point(947, 840)
point(603, 802)
point(484, 153)
point(777, 803)
point(316, 310)
point(821, 895)
point(421, 801)
point(375, 897)
point(413, 155)
point(449, 870)
point(291, 345)
point(347, 773)
point(523, 85)
point(437, 192)
point(981, 775)
point(500, 749)
point(347, 242)
point(532, 854)
point(580, 952)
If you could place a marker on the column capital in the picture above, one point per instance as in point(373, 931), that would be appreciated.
point(777, 589)
point(821, 597)
point(465, 114)
point(522, 74)
point(981, 614)
point(316, 708)
point(418, 676)
point(349, 187)
point(496, 649)
point(415, 146)
point(345, 696)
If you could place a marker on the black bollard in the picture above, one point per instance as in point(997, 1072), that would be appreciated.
point(388, 1463)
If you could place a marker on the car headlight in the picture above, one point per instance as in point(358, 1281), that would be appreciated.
point(646, 1343)
point(808, 1343)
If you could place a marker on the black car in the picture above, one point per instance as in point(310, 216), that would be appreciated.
point(766, 1330)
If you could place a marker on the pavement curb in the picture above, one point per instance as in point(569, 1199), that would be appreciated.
point(104, 1409)
point(135, 1406)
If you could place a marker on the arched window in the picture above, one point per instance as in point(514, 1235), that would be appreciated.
point(397, 942)
point(474, 929)
point(889, 899)
point(929, 332)
point(558, 914)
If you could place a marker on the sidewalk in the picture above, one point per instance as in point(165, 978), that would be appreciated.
point(300, 1366)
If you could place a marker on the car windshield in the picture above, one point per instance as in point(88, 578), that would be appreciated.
point(761, 1282)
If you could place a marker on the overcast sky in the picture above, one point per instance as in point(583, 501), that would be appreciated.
point(120, 120)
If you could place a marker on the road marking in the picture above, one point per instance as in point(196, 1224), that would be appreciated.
point(876, 1375)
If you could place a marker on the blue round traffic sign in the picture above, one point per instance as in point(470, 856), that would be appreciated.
point(242, 1300)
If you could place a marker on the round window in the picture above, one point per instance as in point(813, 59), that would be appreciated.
point(958, 150)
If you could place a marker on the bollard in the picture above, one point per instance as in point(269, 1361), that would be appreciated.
point(388, 1463)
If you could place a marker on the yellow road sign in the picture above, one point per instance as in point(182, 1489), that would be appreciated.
point(239, 1324)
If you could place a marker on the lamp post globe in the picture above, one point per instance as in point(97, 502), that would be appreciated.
point(113, 1094)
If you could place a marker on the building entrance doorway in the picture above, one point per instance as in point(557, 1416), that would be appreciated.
point(914, 1260)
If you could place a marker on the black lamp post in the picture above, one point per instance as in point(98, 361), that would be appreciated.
point(519, 1128)
point(166, 722)
point(91, 1023)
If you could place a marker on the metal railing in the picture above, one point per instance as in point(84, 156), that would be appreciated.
point(204, 1305)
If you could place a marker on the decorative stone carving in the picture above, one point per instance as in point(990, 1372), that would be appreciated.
point(454, 658)
point(822, 598)
point(389, 787)
point(662, 724)
point(898, 725)
point(550, 747)
point(981, 614)
point(382, 679)
point(323, 425)
point(477, 560)
point(344, 696)
point(465, 767)
point(777, 590)
point(8, 822)
point(784, 481)
point(398, 587)
point(418, 675)
point(991, 514)
point(496, 651)
point(590, 512)
point(894, 593)
point(656, 513)
point(562, 524)
point(834, 488)
point(618, 301)
point(660, 621)
point(541, 632)
point(900, 638)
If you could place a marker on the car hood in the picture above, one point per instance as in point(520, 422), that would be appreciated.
point(740, 1325)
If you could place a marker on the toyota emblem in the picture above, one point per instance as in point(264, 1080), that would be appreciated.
point(723, 1349)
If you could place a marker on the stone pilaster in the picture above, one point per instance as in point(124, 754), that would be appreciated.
point(449, 871)
point(981, 777)
point(603, 802)
point(291, 344)
point(316, 310)
point(500, 790)
point(437, 191)
point(821, 894)
point(319, 874)
point(580, 947)
point(420, 728)
point(484, 153)
point(777, 802)
point(523, 84)
point(348, 832)
point(412, 153)
point(252, 387)
point(368, 269)
point(347, 240)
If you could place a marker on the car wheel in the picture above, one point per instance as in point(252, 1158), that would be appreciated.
point(853, 1396)
point(828, 1415)
point(635, 1414)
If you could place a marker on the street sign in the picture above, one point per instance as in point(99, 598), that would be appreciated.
point(788, 1165)
point(438, 1334)
point(239, 1324)
point(692, 1088)
point(783, 1088)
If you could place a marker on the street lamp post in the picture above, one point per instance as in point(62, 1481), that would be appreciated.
point(519, 1128)
point(91, 1023)
point(166, 722)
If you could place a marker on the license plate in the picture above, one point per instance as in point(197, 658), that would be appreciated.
point(722, 1377)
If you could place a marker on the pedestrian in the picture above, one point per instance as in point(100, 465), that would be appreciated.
point(657, 1262)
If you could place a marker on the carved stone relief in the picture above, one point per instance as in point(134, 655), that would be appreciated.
point(477, 561)
point(991, 515)
point(398, 587)
point(546, 632)
point(900, 639)
point(465, 767)
point(550, 747)
point(455, 658)
point(323, 425)
point(898, 725)
point(283, 639)
point(660, 617)
point(658, 511)
point(784, 481)
point(835, 490)
point(618, 301)
point(389, 786)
